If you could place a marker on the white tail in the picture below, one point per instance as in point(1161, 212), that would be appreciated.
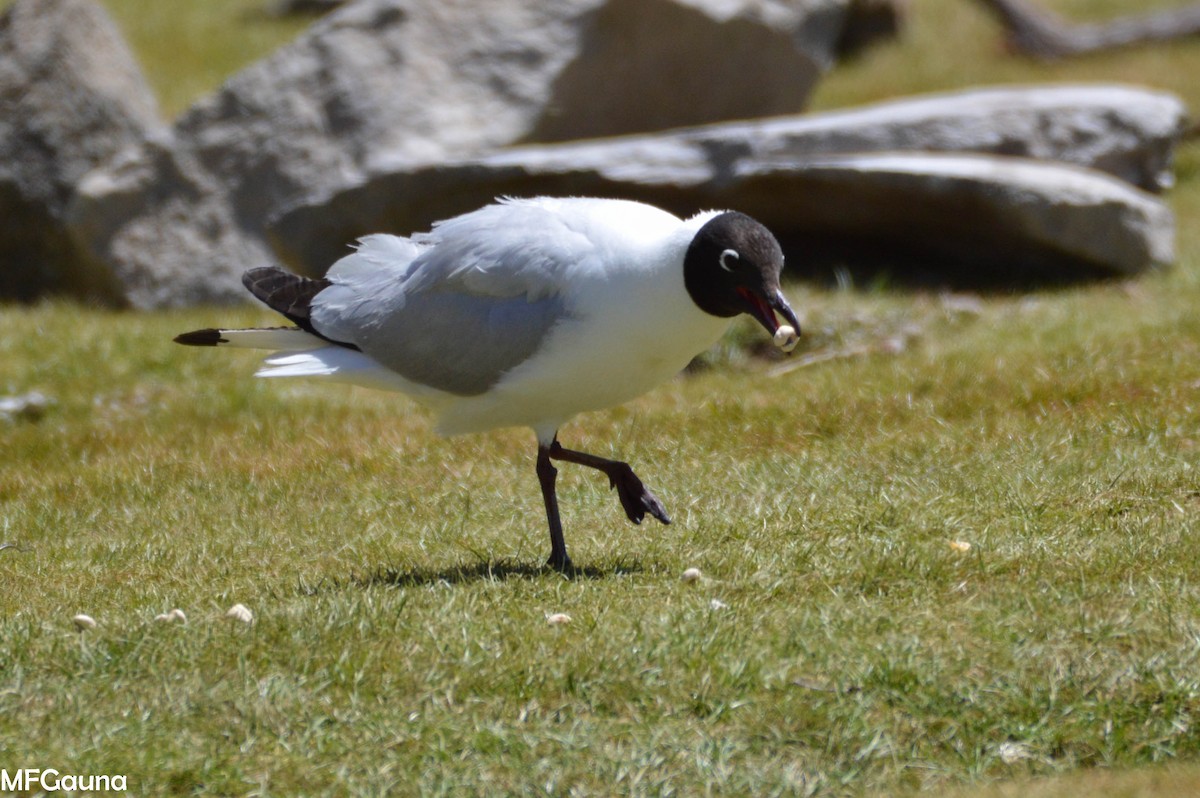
point(334, 363)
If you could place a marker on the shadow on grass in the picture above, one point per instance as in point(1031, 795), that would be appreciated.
point(486, 571)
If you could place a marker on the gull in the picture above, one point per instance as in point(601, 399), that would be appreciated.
point(526, 312)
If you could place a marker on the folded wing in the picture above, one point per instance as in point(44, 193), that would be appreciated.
point(458, 307)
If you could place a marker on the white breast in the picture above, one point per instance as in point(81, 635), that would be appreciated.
point(632, 326)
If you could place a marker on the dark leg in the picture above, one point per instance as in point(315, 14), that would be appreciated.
point(636, 500)
point(546, 473)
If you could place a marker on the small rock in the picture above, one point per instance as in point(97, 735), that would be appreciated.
point(558, 619)
point(239, 612)
point(1011, 752)
point(84, 622)
point(692, 575)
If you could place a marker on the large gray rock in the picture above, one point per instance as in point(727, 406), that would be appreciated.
point(1126, 131)
point(981, 214)
point(967, 210)
point(149, 220)
point(423, 81)
point(71, 97)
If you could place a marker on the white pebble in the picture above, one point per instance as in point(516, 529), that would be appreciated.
point(558, 619)
point(1012, 752)
point(786, 338)
point(84, 622)
point(239, 612)
point(691, 575)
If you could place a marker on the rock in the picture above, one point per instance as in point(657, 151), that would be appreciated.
point(981, 209)
point(154, 219)
point(982, 216)
point(83, 622)
point(240, 613)
point(422, 81)
point(1126, 131)
point(71, 97)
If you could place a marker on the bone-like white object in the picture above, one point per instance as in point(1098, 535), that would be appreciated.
point(83, 622)
point(239, 612)
point(786, 338)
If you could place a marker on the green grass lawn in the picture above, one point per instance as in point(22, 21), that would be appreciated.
point(400, 642)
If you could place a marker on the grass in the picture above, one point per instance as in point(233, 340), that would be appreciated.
point(189, 48)
point(400, 645)
point(400, 637)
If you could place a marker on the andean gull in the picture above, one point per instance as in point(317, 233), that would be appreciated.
point(524, 313)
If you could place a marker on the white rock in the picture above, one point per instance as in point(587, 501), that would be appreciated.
point(1012, 752)
point(558, 619)
point(84, 622)
point(692, 575)
point(239, 612)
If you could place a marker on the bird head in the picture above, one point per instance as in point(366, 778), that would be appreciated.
point(732, 266)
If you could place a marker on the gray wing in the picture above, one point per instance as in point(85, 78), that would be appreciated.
point(461, 343)
point(456, 308)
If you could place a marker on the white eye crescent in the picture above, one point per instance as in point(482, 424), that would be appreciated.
point(726, 259)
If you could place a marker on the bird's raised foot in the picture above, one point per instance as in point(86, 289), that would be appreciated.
point(635, 498)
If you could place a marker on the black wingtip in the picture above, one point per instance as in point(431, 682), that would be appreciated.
point(209, 337)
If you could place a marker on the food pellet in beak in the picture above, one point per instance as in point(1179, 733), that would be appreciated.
point(786, 338)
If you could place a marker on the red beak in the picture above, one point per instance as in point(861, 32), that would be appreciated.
point(763, 309)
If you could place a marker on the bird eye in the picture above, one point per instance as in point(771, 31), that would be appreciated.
point(727, 259)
